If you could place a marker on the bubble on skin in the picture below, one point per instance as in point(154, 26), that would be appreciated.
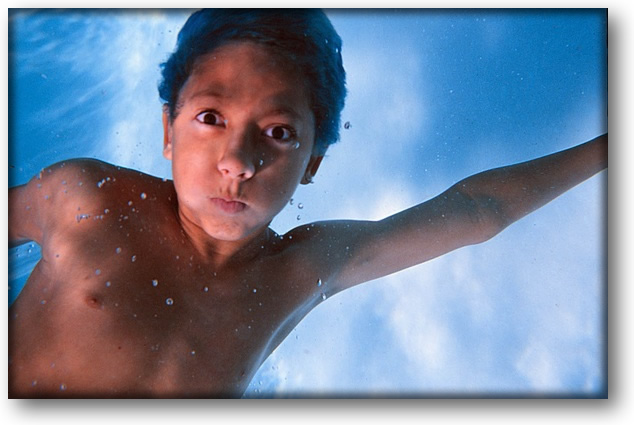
point(154, 282)
point(323, 296)
point(118, 250)
point(108, 283)
point(169, 301)
point(296, 145)
point(98, 272)
point(80, 217)
point(143, 195)
point(62, 387)
point(255, 290)
point(261, 162)
point(133, 258)
point(206, 289)
point(319, 283)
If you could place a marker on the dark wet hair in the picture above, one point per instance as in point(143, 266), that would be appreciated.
point(305, 37)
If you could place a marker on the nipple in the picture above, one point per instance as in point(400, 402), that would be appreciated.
point(93, 302)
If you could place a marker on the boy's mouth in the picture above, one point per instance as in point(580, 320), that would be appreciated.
point(228, 206)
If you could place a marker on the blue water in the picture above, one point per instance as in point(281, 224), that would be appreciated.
point(434, 96)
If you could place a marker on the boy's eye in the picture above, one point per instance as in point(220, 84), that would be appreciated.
point(210, 118)
point(280, 133)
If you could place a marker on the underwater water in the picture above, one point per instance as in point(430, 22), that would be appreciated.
point(434, 96)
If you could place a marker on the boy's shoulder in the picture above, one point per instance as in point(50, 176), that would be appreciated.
point(82, 188)
point(87, 177)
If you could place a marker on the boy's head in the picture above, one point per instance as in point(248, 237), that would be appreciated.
point(305, 38)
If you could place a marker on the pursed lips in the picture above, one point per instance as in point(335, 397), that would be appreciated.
point(229, 206)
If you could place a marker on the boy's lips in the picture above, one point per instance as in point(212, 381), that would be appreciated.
point(229, 206)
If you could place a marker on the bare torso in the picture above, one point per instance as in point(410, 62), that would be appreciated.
point(121, 305)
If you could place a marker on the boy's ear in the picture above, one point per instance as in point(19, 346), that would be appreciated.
point(167, 133)
point(311, 168)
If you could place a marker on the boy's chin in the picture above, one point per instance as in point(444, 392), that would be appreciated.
point(235, 234)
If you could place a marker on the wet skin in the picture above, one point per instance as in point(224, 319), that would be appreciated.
point(122, 303)
point(149, 288)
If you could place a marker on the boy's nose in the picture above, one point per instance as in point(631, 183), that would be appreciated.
point(237, 160)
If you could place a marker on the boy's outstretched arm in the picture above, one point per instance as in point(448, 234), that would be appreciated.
point(471, 211)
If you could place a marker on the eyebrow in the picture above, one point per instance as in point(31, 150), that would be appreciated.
point(210, 92)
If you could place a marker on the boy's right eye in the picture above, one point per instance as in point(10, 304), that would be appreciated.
point(210, 118)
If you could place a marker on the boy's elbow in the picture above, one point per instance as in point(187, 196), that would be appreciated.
point(486, 216)
point(492, 222)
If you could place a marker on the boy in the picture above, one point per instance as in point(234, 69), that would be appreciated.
point(248, 117)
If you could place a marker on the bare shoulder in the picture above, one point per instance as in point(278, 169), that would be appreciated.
point(332, 250)
point(75, 190)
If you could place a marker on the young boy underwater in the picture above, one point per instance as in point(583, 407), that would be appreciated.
point(197, 314)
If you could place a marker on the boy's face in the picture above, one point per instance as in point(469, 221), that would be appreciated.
point(241, 140)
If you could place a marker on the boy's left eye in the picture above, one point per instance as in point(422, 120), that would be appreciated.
point(279, 133)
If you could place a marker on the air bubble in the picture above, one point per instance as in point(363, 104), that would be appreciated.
point(323, 296)
point(62, 387)
point(299, 217)
point(133, 258)
point(143, 195)
point(154, 282)
point(296, 145)
point(80, 217)
point(261, 162)
point(319, 283)
point(300, 206)
point(255, 290)
point(169, 301)
point(97, 272)
point(108, 283)
point(118, 250)
point(347, 125)
point(206, 289)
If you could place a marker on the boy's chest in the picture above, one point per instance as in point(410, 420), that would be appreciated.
point(155, 306)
